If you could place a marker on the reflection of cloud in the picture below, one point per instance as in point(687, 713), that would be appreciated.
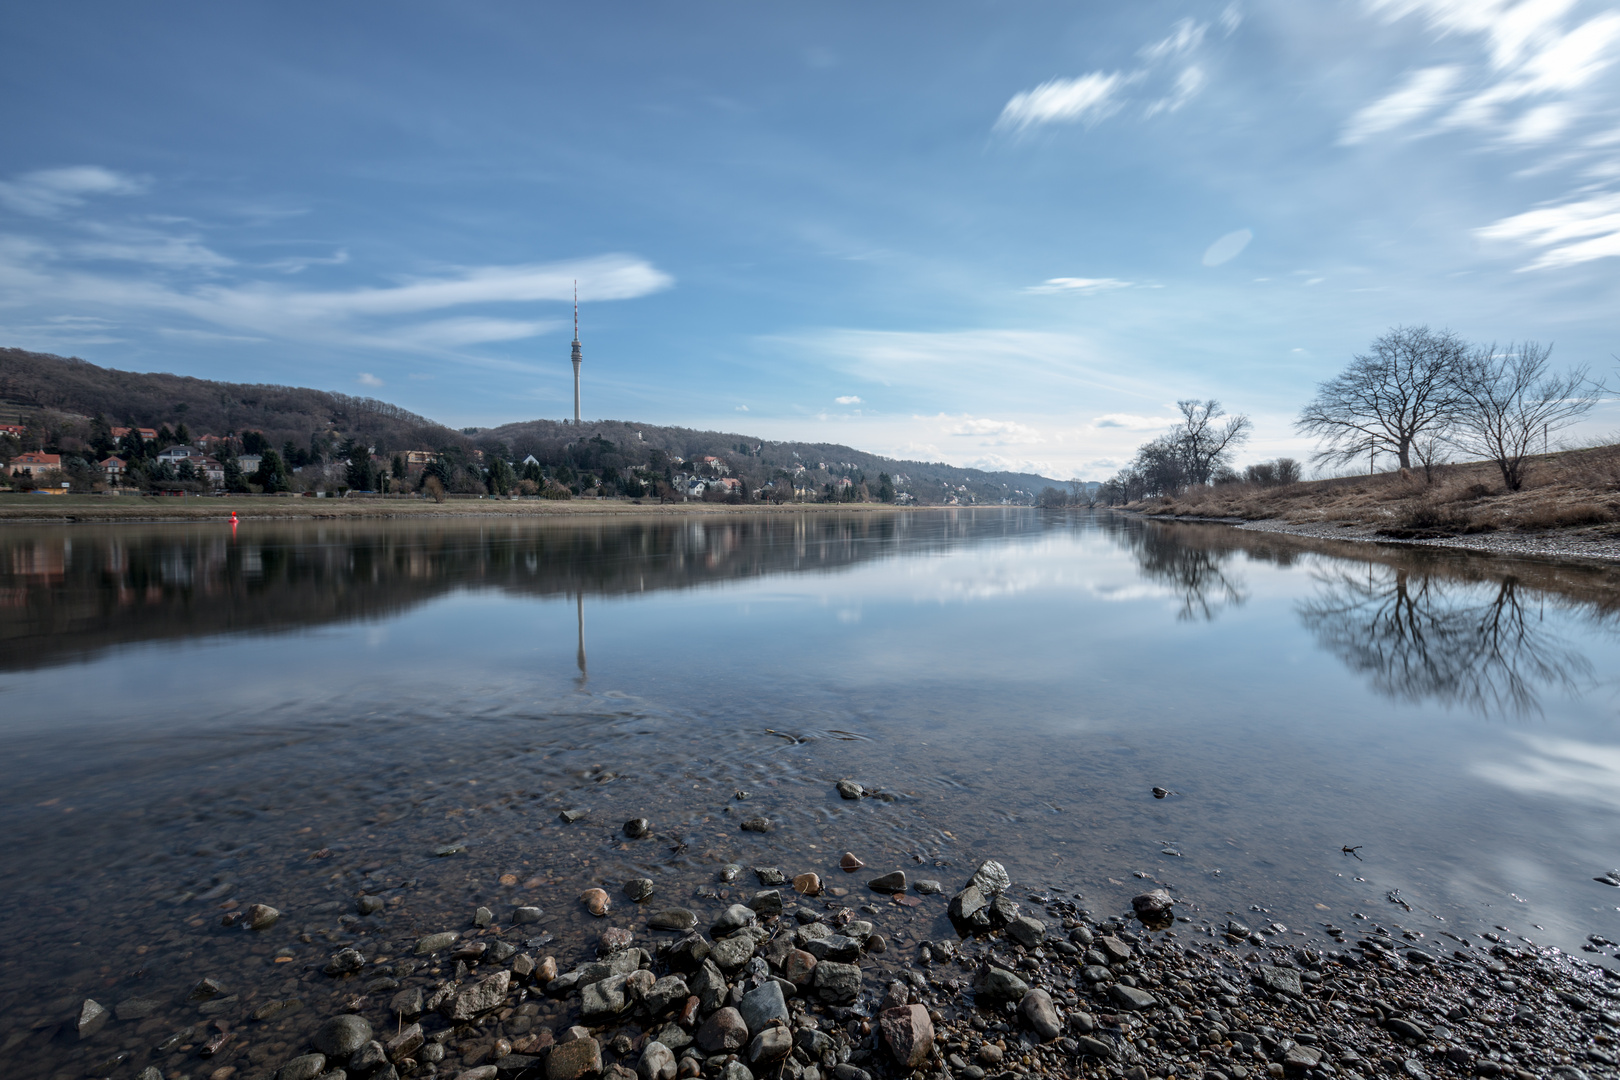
point(1584, 772)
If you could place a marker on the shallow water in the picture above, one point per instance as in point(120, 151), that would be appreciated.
point(297, 713)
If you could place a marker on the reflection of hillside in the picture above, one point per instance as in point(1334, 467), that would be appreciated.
point(65, 593)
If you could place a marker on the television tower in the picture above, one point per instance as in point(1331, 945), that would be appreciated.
point(577, 355)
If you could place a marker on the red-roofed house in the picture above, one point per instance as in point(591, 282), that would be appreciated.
point(12, 429)
point(113, 468)
point(32, 464)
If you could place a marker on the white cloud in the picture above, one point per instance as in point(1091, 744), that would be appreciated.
point(1576, 231)
point(1227, 247)
point(1541, 124)
point(994, 432)
point(368, 379)
point(1188, 83)
point(297, 264)
point(848, 399)
point(48, 192)
point(1088, 98)
point(1423, 92)
point(1078, 284)
point(1132, 422)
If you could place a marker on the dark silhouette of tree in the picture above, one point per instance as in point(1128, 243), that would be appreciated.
point(1510, 403)
point(1404, 385)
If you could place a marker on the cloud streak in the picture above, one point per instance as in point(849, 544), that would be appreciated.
point(50, 192)
point(1078, 285)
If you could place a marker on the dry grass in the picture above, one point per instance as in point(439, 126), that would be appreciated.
point(1568, 490)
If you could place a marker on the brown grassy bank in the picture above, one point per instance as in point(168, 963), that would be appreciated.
point(35, 509)
point(1574, 493)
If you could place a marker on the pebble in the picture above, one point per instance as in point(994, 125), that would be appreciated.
point(529, 913)
point(436, 942)
point(849, 789)
point(595, 901)
point(889, 883)
point(672, 919)
point(848, 863)
point(807, 884)
point(342, 1035)
point(639, 889)
point(757, 824)
point(636, 828)
point(261, 917)
point(92, 1018)
point(568, 817)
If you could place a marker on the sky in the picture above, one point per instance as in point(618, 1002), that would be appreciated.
point(998, 234)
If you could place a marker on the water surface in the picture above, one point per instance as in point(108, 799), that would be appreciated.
point(296, 713)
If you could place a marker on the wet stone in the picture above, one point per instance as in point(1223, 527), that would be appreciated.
point(307, 1067)
point(657, 1062)
point(523, 916)
point(595, 901)
point(436, 942)
point(848, 863)
point(733, 918)
point(732, 952)
point(1279, 980)
point(1131, 998)
point(574, 1060)
point(762, 1005)
point(991, 878)
point(766, 903)
point(345, 962)
point(769, 875)
point(1026, 931)
point(908, 1034)
point(369, 905)
point(771, 1045)
point(568, 817)
point(1037, 1011)
point(342, 1035)
point(849, 789)
point(1000, 985)
point(92, 1018)
point(722, 1033)
point(638, 889)
point(889, 883)
point(636, 828)
point(672, 919)
point(757, 824)
point(928, 887)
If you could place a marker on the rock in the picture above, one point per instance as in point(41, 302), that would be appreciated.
point(636, 828)
point(1038, 1012)
point(836, 983)
point(1096, 1048)
point(307, 1067)
point(1156, 903)
point(1302, 1058)
point(596, 902)
point(970, 907)
point(345, 962)
point(1081, 1023)
point(1003, 910)
point(260, 917)
point(666, 993)
point(991, 878)
point(991, 1054)
point(368, 1057)
point(908, 1034)
point(1279, 980)
point(849, 789)
point(657, 1062)
point(733, 918)
point(709, 987)
point(735, 1070)
point(369, 905)
point(807, 884)
point(1131, 998)
point(92, 1018)
point(574, 1060)
point(1417, 956)
point(772, 1044)
point(1115, 950)
point(769, 876)
point(723, 1033)
point(767, 902)
point(889, 883)
point(404, 1044)
point(342, 1035)
point(731, 953)
point(757, 824)
point(928, 887)
point(603, 1000)
point(638, 889)
point(206, 988)
point(482, 917)
point(407, 1002)
point(687, 953)
point(137, 1008)
point(1026, 931)
point(835, 947)
point(1000, 985)
point(672, 919)
point(568, 817)
point(480, 997)
point(482, 1072)
point(798, 967)
point(527, 914)
point(436, 942)
point(763, 1005)
point(848, 863)
point(1405, 1029)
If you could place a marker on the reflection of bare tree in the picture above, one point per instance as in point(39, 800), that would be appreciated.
point(1422, 637)
point(1188, 559)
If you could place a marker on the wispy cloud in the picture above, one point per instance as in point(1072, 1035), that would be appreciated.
point(1227, 247)
point(1420, 95)
point(1132, 422)
point(368, 379)
point(49, 192)
point(1566, 233)
point(1097, 95)
point(990, 432)
point(848, 399)
point(1088, 98)
point(1078, 284)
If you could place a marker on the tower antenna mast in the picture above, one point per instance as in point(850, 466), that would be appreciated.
point(578, 356)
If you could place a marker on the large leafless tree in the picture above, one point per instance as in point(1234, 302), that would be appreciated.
point(1201, 443)
point(1510, 403)
point(1403, 386)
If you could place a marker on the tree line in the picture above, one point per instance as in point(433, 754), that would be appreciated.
point(1415, 396)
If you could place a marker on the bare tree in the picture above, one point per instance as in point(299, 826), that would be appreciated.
point(1510, 402)
point(1388, 397)
point(1201, 444)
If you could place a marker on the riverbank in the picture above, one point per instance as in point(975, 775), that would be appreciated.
point(40, 509)
point(802, 979)
point(1569, 507)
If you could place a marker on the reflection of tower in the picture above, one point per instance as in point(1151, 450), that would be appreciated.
point(579, 599)
point(577, 356)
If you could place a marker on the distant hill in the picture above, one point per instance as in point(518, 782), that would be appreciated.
point(32, 383)
point(34, 387)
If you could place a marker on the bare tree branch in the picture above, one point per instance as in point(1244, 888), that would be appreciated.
point(1510, 402)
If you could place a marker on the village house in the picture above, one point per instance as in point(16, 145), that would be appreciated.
point(147, 434)
point(174, 455)
point(249, 463)
point(33, 464)
point(113, 469)
point(14, 430)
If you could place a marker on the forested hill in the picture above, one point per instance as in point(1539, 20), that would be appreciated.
point(33, 383)
point(56, 396)
point(758, 459)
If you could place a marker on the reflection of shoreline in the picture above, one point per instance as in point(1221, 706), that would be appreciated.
point(1421, 624)
point(66, 593)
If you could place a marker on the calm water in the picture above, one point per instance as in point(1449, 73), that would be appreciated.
point(298, 713)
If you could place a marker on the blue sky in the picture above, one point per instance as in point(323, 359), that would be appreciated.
point(1002, 234)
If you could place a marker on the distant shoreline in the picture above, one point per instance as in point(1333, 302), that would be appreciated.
point(50, 509)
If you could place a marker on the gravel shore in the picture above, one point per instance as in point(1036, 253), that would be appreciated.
point(1584, 543)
